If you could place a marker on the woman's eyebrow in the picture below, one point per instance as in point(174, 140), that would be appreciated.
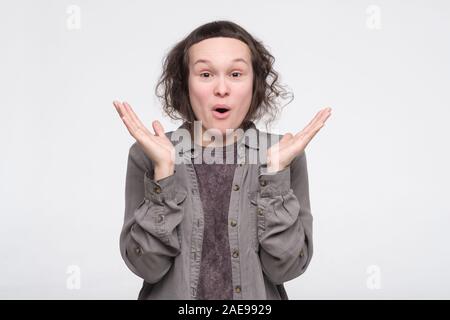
point(207, 61)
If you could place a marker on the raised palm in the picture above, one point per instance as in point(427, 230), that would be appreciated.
point(281, 154)
point(156, 146)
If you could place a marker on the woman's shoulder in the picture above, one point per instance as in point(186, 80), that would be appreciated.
point(137, 155)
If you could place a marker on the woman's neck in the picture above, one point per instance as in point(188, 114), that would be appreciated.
point(216, 140)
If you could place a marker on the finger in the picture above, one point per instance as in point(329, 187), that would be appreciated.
point(312, 133)
point(307, 136)
point(118, 107)
point(310, 125)
point(159, 130)
point(138, 134)
point(314, 120)
point(127, 120)
point(138, 124)
point(130, 126)
point(136, 131)
point(319, 117)
point(287, 137)
point(124, 114)
point(302, 141)
point(325, 114)
point(318, 120)
point(133, 115)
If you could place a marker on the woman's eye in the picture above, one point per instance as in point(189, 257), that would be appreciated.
point(208, 75)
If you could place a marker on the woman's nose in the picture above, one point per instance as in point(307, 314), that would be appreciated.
point(221, 87)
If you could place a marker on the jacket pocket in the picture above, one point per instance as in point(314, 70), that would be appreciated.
point(141, 203)
point(180, 201)
point(253, 220)
point(180, 196)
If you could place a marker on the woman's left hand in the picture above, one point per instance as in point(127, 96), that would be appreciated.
point(280, 155)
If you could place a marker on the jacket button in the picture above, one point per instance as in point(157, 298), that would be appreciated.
point(157, 189)
point(262, 183)
point(237, 289)
point(260, 211)
point(235, 253)
point(236, 187)
point(233, 223)
point(301, 254)
point(138, 251)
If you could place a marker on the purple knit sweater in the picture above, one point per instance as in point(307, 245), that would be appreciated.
point(215, 182)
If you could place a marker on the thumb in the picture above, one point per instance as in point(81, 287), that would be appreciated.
point(159, 130)
point(288, 136)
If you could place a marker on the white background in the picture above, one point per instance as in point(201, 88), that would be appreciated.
point(378, 169)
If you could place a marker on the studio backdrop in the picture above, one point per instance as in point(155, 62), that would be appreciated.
point(378, 170)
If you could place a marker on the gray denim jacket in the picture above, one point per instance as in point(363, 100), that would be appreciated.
point(270, 223)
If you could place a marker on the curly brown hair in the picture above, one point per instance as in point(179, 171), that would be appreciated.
point(172, 87)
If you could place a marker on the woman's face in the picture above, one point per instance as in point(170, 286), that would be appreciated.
point(220, 73)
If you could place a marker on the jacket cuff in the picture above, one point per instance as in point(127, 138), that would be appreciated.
point(277, 183)
point(158, 191)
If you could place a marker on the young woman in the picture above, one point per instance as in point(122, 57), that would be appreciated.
point(204, 220)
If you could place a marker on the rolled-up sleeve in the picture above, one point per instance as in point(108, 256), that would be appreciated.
point(284, 221)
point(149, 239)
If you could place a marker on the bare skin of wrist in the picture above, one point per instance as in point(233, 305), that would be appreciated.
point(162, 172)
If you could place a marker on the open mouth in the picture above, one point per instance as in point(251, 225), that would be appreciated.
point(221, 111)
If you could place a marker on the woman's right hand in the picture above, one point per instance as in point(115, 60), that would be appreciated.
point(156, 146)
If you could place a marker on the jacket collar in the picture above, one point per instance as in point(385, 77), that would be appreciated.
point(250, 138)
